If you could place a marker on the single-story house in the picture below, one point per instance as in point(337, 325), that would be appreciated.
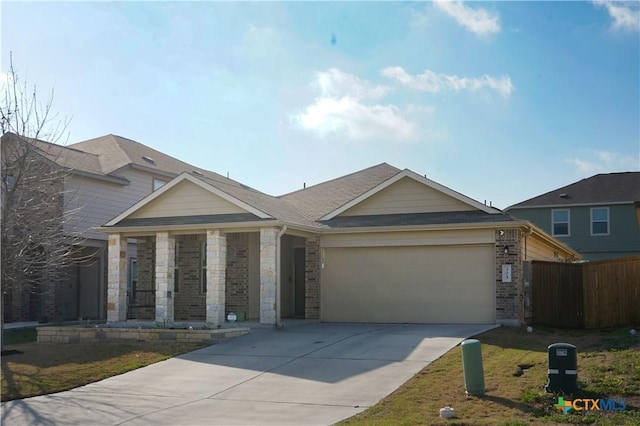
point(379, 245)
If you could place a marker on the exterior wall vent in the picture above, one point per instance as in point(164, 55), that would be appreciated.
point(198, 173)
point(563, 195)
point(148, 159)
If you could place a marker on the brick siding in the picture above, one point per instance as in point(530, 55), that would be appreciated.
point(237, 277)
point(145, 279)
point(509, 302)
point(312, 278)
point(189, 298)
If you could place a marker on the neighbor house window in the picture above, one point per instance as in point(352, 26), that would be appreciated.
point(560, 223)
point(203, 267)
point(600, 221)
point(158, 183)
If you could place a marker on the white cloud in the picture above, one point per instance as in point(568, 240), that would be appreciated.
point(476, 20)
point(625, 15)
point(604, 162)
point(355, 120)
point(433, 82)
point(344, 108)
point(334, 83)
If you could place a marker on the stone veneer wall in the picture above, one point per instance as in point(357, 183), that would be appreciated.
point(312, 278)
point(189, 298)
point(237, 277)
point(509, 299)
point(97, 334)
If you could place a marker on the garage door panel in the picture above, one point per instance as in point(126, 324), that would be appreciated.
point(443, 284)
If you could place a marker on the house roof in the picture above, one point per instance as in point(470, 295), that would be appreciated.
point(319, 200)
point(115, 152)
point(61, 155)
point(599, 189)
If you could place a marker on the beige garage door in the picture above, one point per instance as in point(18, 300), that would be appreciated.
point(429, 284)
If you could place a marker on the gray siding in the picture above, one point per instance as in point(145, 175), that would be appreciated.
point(623, 239)
point(93, 202)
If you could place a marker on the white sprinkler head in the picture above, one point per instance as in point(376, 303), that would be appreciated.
point(447, 412)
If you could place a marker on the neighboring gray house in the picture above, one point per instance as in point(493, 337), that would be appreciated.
point(599, 217)
point(107, 175)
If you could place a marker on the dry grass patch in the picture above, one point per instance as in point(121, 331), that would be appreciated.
point(43, 368)
point(515, 369)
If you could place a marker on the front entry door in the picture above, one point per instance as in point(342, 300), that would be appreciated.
point(299, 257)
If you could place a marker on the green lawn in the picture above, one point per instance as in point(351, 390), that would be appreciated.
point(43, 368)
point(608, 367)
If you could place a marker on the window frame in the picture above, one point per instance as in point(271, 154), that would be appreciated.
point(554, 222)
point(591, 222)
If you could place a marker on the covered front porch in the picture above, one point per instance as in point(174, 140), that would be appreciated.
point(265, 273)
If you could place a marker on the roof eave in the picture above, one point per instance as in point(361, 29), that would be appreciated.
point(558, 206)
point(292, 228)
point(554, 242)
point(439, 227)
point(106, 178)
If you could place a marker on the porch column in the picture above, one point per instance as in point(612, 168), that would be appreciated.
point(117, 279)
point(268, 260)
point(165, 270)
point(216, 276)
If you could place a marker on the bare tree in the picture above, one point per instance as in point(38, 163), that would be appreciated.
point(35, 249)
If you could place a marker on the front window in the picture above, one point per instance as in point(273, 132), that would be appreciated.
point(203, 267)
point(600, 221)
point(560, 223)
point(176, 268)
point(133, 275)
point(158, 183)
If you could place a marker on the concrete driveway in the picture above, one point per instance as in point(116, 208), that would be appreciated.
point(308, 373)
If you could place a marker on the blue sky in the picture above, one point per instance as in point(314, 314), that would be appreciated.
point(501, 101)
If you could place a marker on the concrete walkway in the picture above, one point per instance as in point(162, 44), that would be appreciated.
point(308, 373)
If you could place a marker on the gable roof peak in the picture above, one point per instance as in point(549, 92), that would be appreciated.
point(341, 178)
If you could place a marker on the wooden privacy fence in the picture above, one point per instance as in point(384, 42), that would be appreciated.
point(603, 293)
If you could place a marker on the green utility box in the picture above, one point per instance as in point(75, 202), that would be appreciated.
point(472, 366)
point(562, 368)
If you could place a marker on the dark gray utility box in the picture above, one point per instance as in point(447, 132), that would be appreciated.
point(562, 368)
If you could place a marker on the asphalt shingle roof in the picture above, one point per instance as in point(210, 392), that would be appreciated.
point(601, 188)
point(62, 155)
point(316, 201)
point(116, 152)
